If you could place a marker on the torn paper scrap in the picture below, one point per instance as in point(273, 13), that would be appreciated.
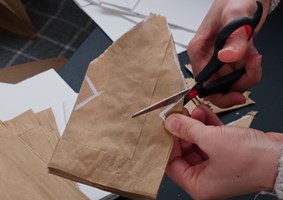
point(244, 121)
point(191, 105)
point(189, 67)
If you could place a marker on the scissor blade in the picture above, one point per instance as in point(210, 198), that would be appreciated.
point(162, 103)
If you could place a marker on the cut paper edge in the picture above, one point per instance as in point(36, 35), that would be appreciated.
point(191, 105)
point(244, 121)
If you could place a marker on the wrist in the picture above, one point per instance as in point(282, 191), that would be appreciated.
point(278, 186)
point(269, 162)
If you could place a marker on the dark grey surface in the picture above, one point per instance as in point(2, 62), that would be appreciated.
point(268, 94)
point(74, 71)
point(61, 27)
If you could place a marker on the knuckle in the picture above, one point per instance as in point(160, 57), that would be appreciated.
point(188, 128)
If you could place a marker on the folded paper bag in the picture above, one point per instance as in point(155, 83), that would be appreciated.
point(24, 175)
point(103, 145)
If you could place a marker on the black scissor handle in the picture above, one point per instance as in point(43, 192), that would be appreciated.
point(214, 63)
point(221, 85)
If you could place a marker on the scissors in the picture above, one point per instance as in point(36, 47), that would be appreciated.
point(223, 84)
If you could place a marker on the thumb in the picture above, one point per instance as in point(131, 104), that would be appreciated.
point(235, 47)
point(186, 128)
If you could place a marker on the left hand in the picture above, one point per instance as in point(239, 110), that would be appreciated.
point(213, 161)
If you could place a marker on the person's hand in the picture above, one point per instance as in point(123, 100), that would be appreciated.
point(237, 51)
point(216, 161)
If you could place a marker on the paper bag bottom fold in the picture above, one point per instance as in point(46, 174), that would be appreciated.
point(114, 176)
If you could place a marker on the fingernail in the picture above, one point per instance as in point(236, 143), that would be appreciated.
point(230, 48)
point(173, 124)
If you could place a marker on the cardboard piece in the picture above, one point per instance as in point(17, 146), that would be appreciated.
point(14, 18)
point(103, 145)
point(18, 73)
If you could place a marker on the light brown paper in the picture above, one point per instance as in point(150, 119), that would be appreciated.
point(191, 105)
point(103, 145)
point(189, 67)
point(244, 121)
point(48, 123)
point(14, 18)
point(28, 128)
point(18, 73)
point(34, 130)
point(25, 176)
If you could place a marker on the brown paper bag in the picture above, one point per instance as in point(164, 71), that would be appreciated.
point(18, 73)
point(103, 145)
point(29, 129)
point(24, 175)
point(48, 123)
point(14, 18)
point(37, 131)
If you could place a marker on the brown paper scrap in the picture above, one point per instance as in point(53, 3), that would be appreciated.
point(103, 145)
point(191, 105)
point(189, 67)
point(244, 121)
point(18, 73)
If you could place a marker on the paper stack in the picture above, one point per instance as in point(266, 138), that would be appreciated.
point(26, 146)
point(116, 17)
point(33, 115)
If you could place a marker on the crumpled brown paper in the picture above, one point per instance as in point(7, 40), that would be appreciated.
point(103, 145)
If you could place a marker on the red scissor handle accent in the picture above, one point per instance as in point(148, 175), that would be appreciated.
point(249, 30)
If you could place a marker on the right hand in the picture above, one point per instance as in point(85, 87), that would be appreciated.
point(237, 51)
